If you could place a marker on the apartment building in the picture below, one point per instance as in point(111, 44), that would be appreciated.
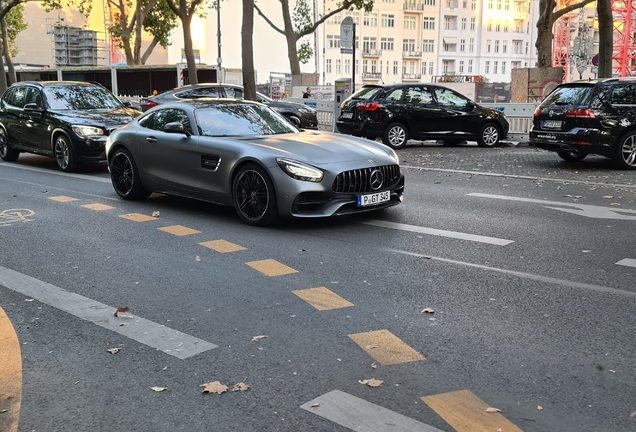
point(418, 40)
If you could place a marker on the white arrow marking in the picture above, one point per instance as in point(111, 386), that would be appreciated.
point(628, 262)
point(590, 211)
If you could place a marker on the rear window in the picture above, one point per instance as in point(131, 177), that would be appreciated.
point(568, 95)
point(366, 93)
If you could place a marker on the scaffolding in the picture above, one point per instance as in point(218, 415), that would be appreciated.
point(72, 46)
point(624, 46)
point(561, 41)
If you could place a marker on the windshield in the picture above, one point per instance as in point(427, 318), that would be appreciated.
point(366, 93)
point(241, 120)
point(568, 95)
point(262, 98)
point(80, 97)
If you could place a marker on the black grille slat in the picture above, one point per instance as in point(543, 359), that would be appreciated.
point(358, 181)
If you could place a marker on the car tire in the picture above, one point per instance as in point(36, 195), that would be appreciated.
point(63, 154)
point(6, 152)
point(488, 135)
point(254, 196)
point(125, 176)
point(625, 154)
point(571, 156)
point(395, 136)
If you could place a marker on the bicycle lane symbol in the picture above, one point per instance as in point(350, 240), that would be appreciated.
point(9, 217)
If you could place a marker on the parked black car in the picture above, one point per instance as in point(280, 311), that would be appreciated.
point(399, 112)
point(589, 117)
point(300, 115)
point(67, 120)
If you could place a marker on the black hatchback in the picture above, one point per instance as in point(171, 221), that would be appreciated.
point(67, 120)
point(400, 112)
point(589, 117)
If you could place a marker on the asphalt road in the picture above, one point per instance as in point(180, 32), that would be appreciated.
point(527, 262)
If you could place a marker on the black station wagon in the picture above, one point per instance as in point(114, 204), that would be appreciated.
point(589, 117)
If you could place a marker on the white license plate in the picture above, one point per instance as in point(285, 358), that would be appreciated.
point(552, 124)
point(347, 115)
point(373, 199)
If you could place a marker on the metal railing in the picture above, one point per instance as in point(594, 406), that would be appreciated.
point(411, 54)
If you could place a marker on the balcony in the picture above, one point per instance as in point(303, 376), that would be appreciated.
point(413, 7)
point(411, 77)
point(371, 52)
point(411, 54)
point(372, 76)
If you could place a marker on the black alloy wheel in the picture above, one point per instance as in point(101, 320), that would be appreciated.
point(625, 155)
point(571, 156)
point(64, 154)
point(254, 196)
point(395, 136)
point(488, 135)
point(6, 152)
point(125, 177)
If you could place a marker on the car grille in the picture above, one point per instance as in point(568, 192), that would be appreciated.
point(358, 181)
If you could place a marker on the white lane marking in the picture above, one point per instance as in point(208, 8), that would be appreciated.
point(60, 173)
point(522, 275)
point(520, 177)
point(436, 232)
point(591, 211)
point(359, 415)
point(628, 262)
point(149, 333)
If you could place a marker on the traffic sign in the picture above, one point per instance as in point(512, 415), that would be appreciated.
point(595, 60)
point(346, 32)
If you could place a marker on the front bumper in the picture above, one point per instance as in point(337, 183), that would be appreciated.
point(91, 149)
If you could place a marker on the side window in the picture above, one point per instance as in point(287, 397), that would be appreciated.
point(207, 92)
point(623, 95)
point(8, 96)
point(233, 93)
point(395, 95)
point(418, 96)
point(449, 98)
point(148, 121)
point(184, 94)
point(19, 97)
point(33, 96)
point(159, 119)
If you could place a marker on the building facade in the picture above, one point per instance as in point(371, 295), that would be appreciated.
point(425, 40)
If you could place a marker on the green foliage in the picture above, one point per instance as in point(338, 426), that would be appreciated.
point(15, 25)
point(302, 16)
point(160, 21)
point(305, 51)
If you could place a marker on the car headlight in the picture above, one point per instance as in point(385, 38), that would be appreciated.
point(299, 171)
point(307, 110)
point(85, 131)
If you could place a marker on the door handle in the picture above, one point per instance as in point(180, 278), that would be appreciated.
point(151, 139)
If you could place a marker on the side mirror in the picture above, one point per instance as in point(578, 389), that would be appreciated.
point(127, 104)
point(470, 105)
point(176, 127)
point(33, 107)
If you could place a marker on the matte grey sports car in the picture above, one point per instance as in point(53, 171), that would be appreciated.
point(244, 154)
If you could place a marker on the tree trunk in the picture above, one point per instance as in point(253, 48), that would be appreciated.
point(247, 32)
point(544, 33)
point(292, 40)
point(186, 21)
point(7, 51)
point(605, 45)
point(3, 77)
point(149, 49)
point(139, 24)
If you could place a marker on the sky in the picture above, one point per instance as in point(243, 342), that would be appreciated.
point(270, 48)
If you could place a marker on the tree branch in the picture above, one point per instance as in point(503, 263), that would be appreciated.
point(310, 30)
point(149, 49)
point(267, 20)
point(7, 7)
point(558, 14)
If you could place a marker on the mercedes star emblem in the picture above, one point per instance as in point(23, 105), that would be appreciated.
point(376, 179)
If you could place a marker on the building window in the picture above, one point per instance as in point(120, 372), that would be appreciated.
point(365, 66)
point(489, 25)
point(431, 68)
point(388, 20)
point(408, 45)
point(464, 4)
point(507, 4)
point(516, 46)
point(429, 2)
point(472, 24)
point(490, 4)
point(328, 66)
point(370, 19)
point(355, 17)
point(498, 26)
point(450, 47)
point(423, 68)
point(487, 68)
point(463, 23)
point(488, 43)
point(495, 67)
point(448, 66)
point(496, 46)
point(338, 71)
point(473, 4)
point(516, 65)
point(506, 26)
point(519, 26)
point(386, 44)
point(499, 4)
point(409, 23)
point(462, 45)
point(336, 19)
point(471, 45)
point(395, 68)
point(503, 67)
point(428, 45)
point(374, 66)
point(461, 67)
point(504, 47)
point(369, 44)
point(450, 23)
point(470, 67)
point(428, 23)
point(333, 41)
point(527, 47)
point(347, 66)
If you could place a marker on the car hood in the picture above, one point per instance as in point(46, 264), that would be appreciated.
point(321, 148)
point(287, 105)
point(97, 117)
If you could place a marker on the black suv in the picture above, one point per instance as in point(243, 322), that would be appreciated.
point(589, 117)
point(399, 112)
point(67, 120)
point(301, 116)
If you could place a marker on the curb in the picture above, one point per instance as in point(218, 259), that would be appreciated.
point(10, 375)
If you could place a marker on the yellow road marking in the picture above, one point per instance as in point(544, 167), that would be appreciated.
point(271, 267)
point(465, 412)
point(63, 199)
point(10, 375)
point(222, 246)
point(179, 230)
point(137, 217)
point(386, 348)
point(98, 207)
point(322, 298)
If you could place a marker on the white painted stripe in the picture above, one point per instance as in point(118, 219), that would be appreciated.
point(59, 173)
point(628, 262)
point(359, 415)
point(436, 232)
point(149, 333)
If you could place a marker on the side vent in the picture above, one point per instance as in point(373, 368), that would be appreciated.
point(210, 162)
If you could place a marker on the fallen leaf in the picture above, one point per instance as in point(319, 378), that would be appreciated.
point(609, 196)
point(121, 309)
point(240, 387)
point(214, 387)
point(2, 411)
point(371, 382)
point(492, 410)
point(633, 415)
point(29, 300)
point(197, 258)
point(539, 407)
point(159, 389)
point(113, 350)
point(428, 310)
point(600, 367)
point(372, 346)
point(257, 338)
point(612, 371)
point(316, 405)
point(155, 214)
point(374, 366)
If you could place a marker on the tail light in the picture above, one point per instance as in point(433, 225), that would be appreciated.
point(580, 113)
point(147, 104)
point(537, 112)
point(368, 106)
